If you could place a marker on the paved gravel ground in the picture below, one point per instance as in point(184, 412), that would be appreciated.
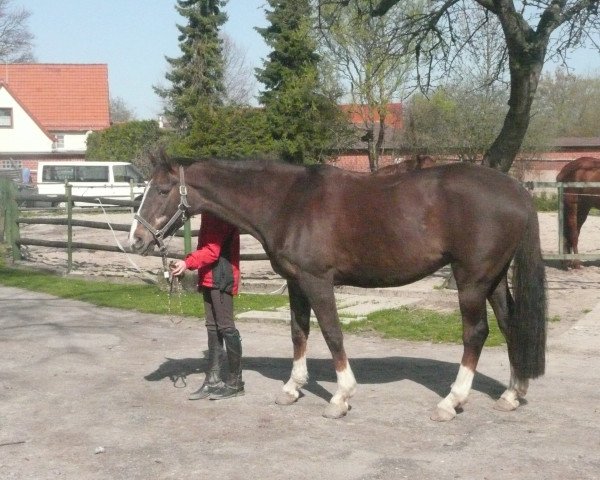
point(97, 393)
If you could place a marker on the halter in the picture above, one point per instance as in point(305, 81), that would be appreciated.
point(182, 211)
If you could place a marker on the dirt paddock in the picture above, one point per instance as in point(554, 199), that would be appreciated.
point(97, 393)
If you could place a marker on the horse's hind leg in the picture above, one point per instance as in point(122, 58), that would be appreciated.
point(583, 210)
point(475, 331)
point(503, 305)
point(300, 324)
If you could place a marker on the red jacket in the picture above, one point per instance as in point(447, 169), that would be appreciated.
point(217, 258)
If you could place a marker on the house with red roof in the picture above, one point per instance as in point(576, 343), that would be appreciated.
point(47, 111)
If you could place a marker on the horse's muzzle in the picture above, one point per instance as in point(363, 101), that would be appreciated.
point(141, 242)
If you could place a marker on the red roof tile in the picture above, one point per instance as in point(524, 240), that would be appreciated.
point(61, 96)
point(359, 113)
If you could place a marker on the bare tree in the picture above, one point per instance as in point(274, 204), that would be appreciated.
point(370, 57)
point(15, 38)
point(534, 31)
point(238, 78)
point(120, 111)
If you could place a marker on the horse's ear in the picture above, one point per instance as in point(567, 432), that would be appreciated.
point(159, 158)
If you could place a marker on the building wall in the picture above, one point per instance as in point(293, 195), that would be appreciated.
point(73, 141)
point(25, 135)
point(543, 168)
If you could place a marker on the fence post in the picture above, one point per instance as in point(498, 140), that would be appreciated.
point(187, 237)
point(561, 217)
point(68, 191)
point(10, 213)
point(3, 205)
point(131, 194)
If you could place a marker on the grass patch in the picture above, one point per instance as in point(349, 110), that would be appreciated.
point(403, 323)
point(138, 297)
point(420, 325)
point(545, 202)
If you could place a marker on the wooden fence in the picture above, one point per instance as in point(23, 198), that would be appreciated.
point(10, 220)
point(560, 188)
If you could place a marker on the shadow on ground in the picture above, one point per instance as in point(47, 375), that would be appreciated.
point(432, 374)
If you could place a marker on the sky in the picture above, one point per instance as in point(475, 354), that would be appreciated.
point(134, 36)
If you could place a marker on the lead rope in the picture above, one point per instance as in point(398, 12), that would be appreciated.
point(127, 255)
point(174, 283)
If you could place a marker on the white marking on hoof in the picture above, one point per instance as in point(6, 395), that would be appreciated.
point(508, 402)
point(338, 406)
point(504, 405)
point(459, 392)
point(442, 415)
point(335, 410)
point(284, 398)
point(298, 378)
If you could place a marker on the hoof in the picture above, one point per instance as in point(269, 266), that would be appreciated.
point(505, 405)
point(285, 398)
point(334, 411)
point(442, 415)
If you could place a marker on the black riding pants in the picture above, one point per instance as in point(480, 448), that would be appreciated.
point(218, 309)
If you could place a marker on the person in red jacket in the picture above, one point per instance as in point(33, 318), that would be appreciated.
point(217, 260)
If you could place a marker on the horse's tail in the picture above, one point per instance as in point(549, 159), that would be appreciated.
point(528, 323)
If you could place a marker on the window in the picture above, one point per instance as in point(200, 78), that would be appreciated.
point(6, 118)
point(125, 173)
point(91, 174)
point(4, 164)
point(59, 141)
point(72, 173)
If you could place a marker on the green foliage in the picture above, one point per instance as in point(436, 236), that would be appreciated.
point(567, 105)
point(303, 118)
point(227, 132)
point(124, 141)
point(545, 202)
point(454, 119)
point(404, 323)
point(420, 325)
point(196, 76)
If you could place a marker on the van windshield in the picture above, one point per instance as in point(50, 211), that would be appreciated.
point(127, 173)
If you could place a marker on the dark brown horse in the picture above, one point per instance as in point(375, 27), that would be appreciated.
point(322, 226)
point(577, 202)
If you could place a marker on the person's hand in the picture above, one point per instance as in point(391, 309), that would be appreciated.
point(177, 267)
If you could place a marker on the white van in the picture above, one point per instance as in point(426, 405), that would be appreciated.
point(90, 179)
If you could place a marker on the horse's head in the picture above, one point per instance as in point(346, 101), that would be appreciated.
point(163, 209)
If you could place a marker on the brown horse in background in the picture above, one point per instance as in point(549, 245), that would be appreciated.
point(417, 162)
point(322, 226)
point(577, 202)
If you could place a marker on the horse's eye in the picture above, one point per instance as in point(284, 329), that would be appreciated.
point(163, 192)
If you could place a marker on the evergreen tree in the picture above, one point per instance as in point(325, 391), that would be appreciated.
point(197, 76)
point(303, 119)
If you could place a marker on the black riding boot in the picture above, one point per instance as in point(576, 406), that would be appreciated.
point(212, 381)
point(234, 386)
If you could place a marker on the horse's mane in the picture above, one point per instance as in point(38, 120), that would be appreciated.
point(160, 159)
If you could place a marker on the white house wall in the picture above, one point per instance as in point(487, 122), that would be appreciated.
point(73, 141)
point(25, 135)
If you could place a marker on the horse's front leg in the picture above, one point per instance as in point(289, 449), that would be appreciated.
point(322, 299)
point(300, 324)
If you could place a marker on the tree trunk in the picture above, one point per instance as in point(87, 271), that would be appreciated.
point(526, 59)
